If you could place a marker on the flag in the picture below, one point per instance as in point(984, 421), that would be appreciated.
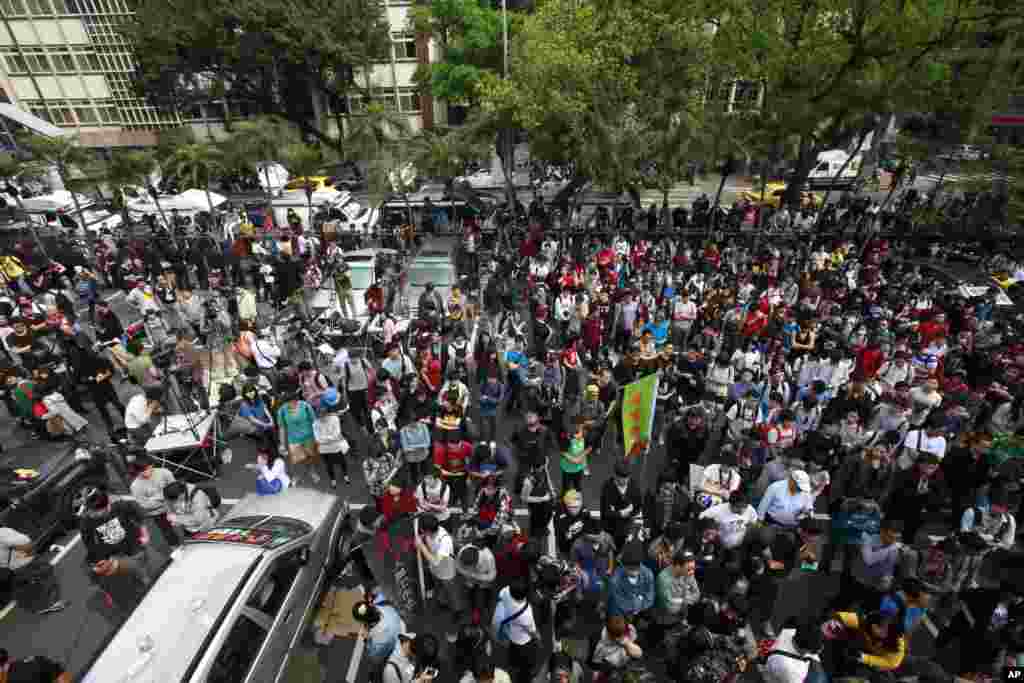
point(638, 403)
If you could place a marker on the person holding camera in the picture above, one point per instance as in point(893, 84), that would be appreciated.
point(414, 660)
point(140, 411)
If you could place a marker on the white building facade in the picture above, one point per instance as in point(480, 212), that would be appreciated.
point(67, 63)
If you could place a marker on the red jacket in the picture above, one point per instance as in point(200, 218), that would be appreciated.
point(931, 330)
point(869, 360)
point(393, 508)
point(453, 457)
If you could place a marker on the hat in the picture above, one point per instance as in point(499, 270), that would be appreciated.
point(803, 482)
point(330, 397)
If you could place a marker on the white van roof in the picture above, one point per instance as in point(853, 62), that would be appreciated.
point(833, 155)
point(56, 201)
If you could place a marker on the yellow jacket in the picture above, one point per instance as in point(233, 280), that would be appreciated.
point(875, 655)
point(12, 267)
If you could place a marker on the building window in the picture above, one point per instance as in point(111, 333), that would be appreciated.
point(12, 8)
point(63, 62)
point(40, 7)
point(16, 64)
point(405, 47)
point(747, 95)
point(357, 103)
point(62, 116)
point(86, 115)
point(409, 101)
point(38, 63)
point(110, 114)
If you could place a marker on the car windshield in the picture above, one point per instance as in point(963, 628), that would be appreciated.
point(420, 274)
point(361, 276)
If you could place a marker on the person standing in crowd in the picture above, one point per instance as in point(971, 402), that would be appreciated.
point(148, 491)
point(296, 421)
point(514, 622)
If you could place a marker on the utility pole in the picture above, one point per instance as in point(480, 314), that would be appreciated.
point(509, 146)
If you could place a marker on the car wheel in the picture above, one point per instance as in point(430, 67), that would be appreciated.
point(73, 499)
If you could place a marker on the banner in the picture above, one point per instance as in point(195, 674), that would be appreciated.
point(638, 402)
point(392, 559)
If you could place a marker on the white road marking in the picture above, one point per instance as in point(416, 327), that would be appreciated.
point(67, 548)
point(357, 658)
point(7, 610)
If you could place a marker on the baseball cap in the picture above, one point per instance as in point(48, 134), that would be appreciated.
point(803, 482)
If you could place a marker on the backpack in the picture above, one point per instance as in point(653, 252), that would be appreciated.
point(500, 631)
point(815, 672)
point(212, 494)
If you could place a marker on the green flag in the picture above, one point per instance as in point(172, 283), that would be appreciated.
point(638, 402)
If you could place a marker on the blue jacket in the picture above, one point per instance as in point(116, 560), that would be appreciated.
point(384, 635)
point(630, 598)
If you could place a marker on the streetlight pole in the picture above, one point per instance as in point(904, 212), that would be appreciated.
point(508, 133)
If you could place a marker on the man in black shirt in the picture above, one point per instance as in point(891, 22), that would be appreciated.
point(97, 373)
point(115, 536)
point(534, 444)
point(621, 502)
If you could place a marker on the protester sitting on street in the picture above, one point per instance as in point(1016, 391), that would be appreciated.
point(148, 491)
point(27, 577)
point(140, 411)
point(189, 507)
point(272, 476)
point(381, 625)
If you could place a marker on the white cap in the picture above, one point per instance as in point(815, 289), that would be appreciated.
point(803, 482)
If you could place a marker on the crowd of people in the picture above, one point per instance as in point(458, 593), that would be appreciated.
point(795, 379)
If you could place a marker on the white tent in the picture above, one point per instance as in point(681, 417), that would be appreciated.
point(189, 201)
point(275, 173)
point(55, 201)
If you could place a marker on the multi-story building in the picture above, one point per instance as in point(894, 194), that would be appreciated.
point(66, 63)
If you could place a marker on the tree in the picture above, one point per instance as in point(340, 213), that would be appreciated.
point(469, 37)
point(62, 154)
point(199, 163)
point(825, 64)
point(588, 76)
point(303, 161)
point(371, 133)
point(263, 139)
point(136, 167)
point(280, 58)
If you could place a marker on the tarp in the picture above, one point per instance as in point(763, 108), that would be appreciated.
point(55, 201)
point(30, 121)
point(638, 403)
point(188, 201)
point(392, 559)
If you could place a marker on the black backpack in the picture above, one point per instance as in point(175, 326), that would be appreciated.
point(212, 494)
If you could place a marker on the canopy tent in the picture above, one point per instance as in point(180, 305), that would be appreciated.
point(190, 201)
point(55, 201)
point(33, 123)
point(317, 199)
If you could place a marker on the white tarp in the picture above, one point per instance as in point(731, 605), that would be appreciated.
point(189, 201)
point(55, 201)
point(319, 198)
point(974, 291)
point(272, 176)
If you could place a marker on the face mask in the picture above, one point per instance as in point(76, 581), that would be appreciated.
point(633, 578)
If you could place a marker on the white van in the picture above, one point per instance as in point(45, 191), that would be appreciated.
point(828, 166)
point(351, 216)
point(57, 210)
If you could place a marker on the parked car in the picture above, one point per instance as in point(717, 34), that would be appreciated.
point(774, 193)
point(235, 600)
point(42, 489)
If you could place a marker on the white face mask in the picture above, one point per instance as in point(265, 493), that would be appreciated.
point(633, 579)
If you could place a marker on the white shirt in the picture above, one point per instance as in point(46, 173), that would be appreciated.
point(713, 476)
point(438, 494)
point(731, 527)
point(9, 557)
point(521, 629)
point(783, 506)
point(275, 471)
point(782, 669)
point(443, 549)
point(920, 441)
point(135, 412)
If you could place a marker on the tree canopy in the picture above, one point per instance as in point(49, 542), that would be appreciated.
point(270, 54)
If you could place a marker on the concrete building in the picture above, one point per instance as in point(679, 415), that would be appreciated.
point(66, 63)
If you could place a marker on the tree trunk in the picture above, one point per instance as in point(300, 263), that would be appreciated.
point(835, 178)
point(31, 226)
point(163, 216)
point(74, 198)
point(721, 187)
point(938, 186)
point(561, 200)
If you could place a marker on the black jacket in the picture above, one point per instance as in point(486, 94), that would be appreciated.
point(613, 502)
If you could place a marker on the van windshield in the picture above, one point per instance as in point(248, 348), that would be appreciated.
point(361, 276)
point(440, 274)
